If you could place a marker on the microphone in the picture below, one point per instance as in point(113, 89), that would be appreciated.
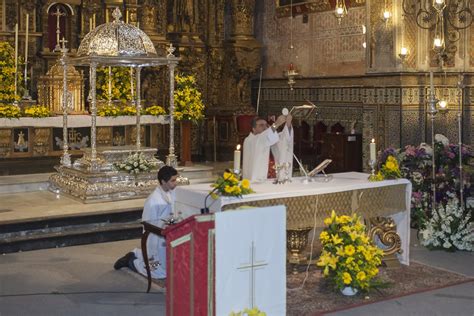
point(205, 210)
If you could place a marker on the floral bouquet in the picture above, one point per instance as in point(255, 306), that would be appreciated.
point(187, 99)
point(449, 228)
point(388, 167)
point(9, 111)
point(108, 110)
point(249, 312)
point(37, 111)
point(129, 110)
point(155, 110)
point(229, 185)
point(120, 84)
point(348, 258)
point(134, 164)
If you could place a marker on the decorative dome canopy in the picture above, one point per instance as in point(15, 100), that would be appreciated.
point(116, 39)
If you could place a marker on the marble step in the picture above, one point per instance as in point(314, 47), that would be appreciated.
point(70, 230)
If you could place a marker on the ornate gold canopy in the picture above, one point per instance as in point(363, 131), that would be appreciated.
point(116, 39)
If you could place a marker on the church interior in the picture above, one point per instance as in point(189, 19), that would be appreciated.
point(87, 87)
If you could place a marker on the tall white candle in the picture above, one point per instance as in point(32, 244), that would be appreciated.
point(93, 21)
point(431, 83)
point(90, 24)
point(26, 47)
point(16, 58)
point(237, 158)
point(110, 83)
point(131, 82)
point(372, 150)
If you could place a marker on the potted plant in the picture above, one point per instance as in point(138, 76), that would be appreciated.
point(349, 259)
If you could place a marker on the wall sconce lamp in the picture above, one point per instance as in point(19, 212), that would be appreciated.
point(443, 106)
point(403, 54)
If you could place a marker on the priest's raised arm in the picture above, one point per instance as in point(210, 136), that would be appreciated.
point(283, 150)
point(257, 148)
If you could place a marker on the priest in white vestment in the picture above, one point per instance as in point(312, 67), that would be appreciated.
point(257, 146)
point(158, 207)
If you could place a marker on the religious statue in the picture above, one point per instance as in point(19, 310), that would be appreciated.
point(21, 144)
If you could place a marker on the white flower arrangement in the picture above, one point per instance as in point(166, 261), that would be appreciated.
point(134, 164)
point(449, 228)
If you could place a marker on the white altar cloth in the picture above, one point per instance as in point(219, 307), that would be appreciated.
point(190, 199)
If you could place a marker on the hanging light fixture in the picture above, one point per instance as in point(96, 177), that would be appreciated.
point(340, 10)
point(444, 17)
point(291, 73)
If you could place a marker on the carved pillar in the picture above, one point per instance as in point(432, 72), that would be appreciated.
point(152, 16)
point(244, 53)
point(381, 38)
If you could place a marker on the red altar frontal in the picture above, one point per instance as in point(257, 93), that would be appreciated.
point(190, 266)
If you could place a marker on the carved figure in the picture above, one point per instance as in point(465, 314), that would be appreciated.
point(183, 15)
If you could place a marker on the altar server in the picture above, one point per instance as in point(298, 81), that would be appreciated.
point(158, 206)
point(257, 146)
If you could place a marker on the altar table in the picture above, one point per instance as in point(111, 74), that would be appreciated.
point(309, 203)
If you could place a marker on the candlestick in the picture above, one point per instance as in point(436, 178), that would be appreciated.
point(237, 159)
point(373, 150)
point(16, 59)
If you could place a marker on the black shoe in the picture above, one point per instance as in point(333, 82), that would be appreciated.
point(123, 262)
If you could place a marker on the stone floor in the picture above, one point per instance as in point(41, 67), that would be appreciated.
point(80, 280)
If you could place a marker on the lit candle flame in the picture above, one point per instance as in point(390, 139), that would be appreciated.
point(238, 147)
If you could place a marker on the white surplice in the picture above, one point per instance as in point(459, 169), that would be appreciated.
point(159, 205)
point(283, 150)
point(256, 154)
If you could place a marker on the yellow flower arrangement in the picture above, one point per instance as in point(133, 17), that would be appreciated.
point(37, 111)
point(155, 110)
point(128, 110)
point(9, 111)
point(120, 84)
point(7, 73)
point(229, 185)
point(389, 170)
point(187, 99)
point(249, 312)
point(108, 110)
point(348, 258)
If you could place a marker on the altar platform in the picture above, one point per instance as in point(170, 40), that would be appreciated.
point(32, 217)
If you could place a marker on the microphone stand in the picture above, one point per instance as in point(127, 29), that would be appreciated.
point(205, 210)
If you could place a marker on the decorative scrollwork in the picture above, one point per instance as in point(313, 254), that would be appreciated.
point(428, 13)
point(385, 230)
